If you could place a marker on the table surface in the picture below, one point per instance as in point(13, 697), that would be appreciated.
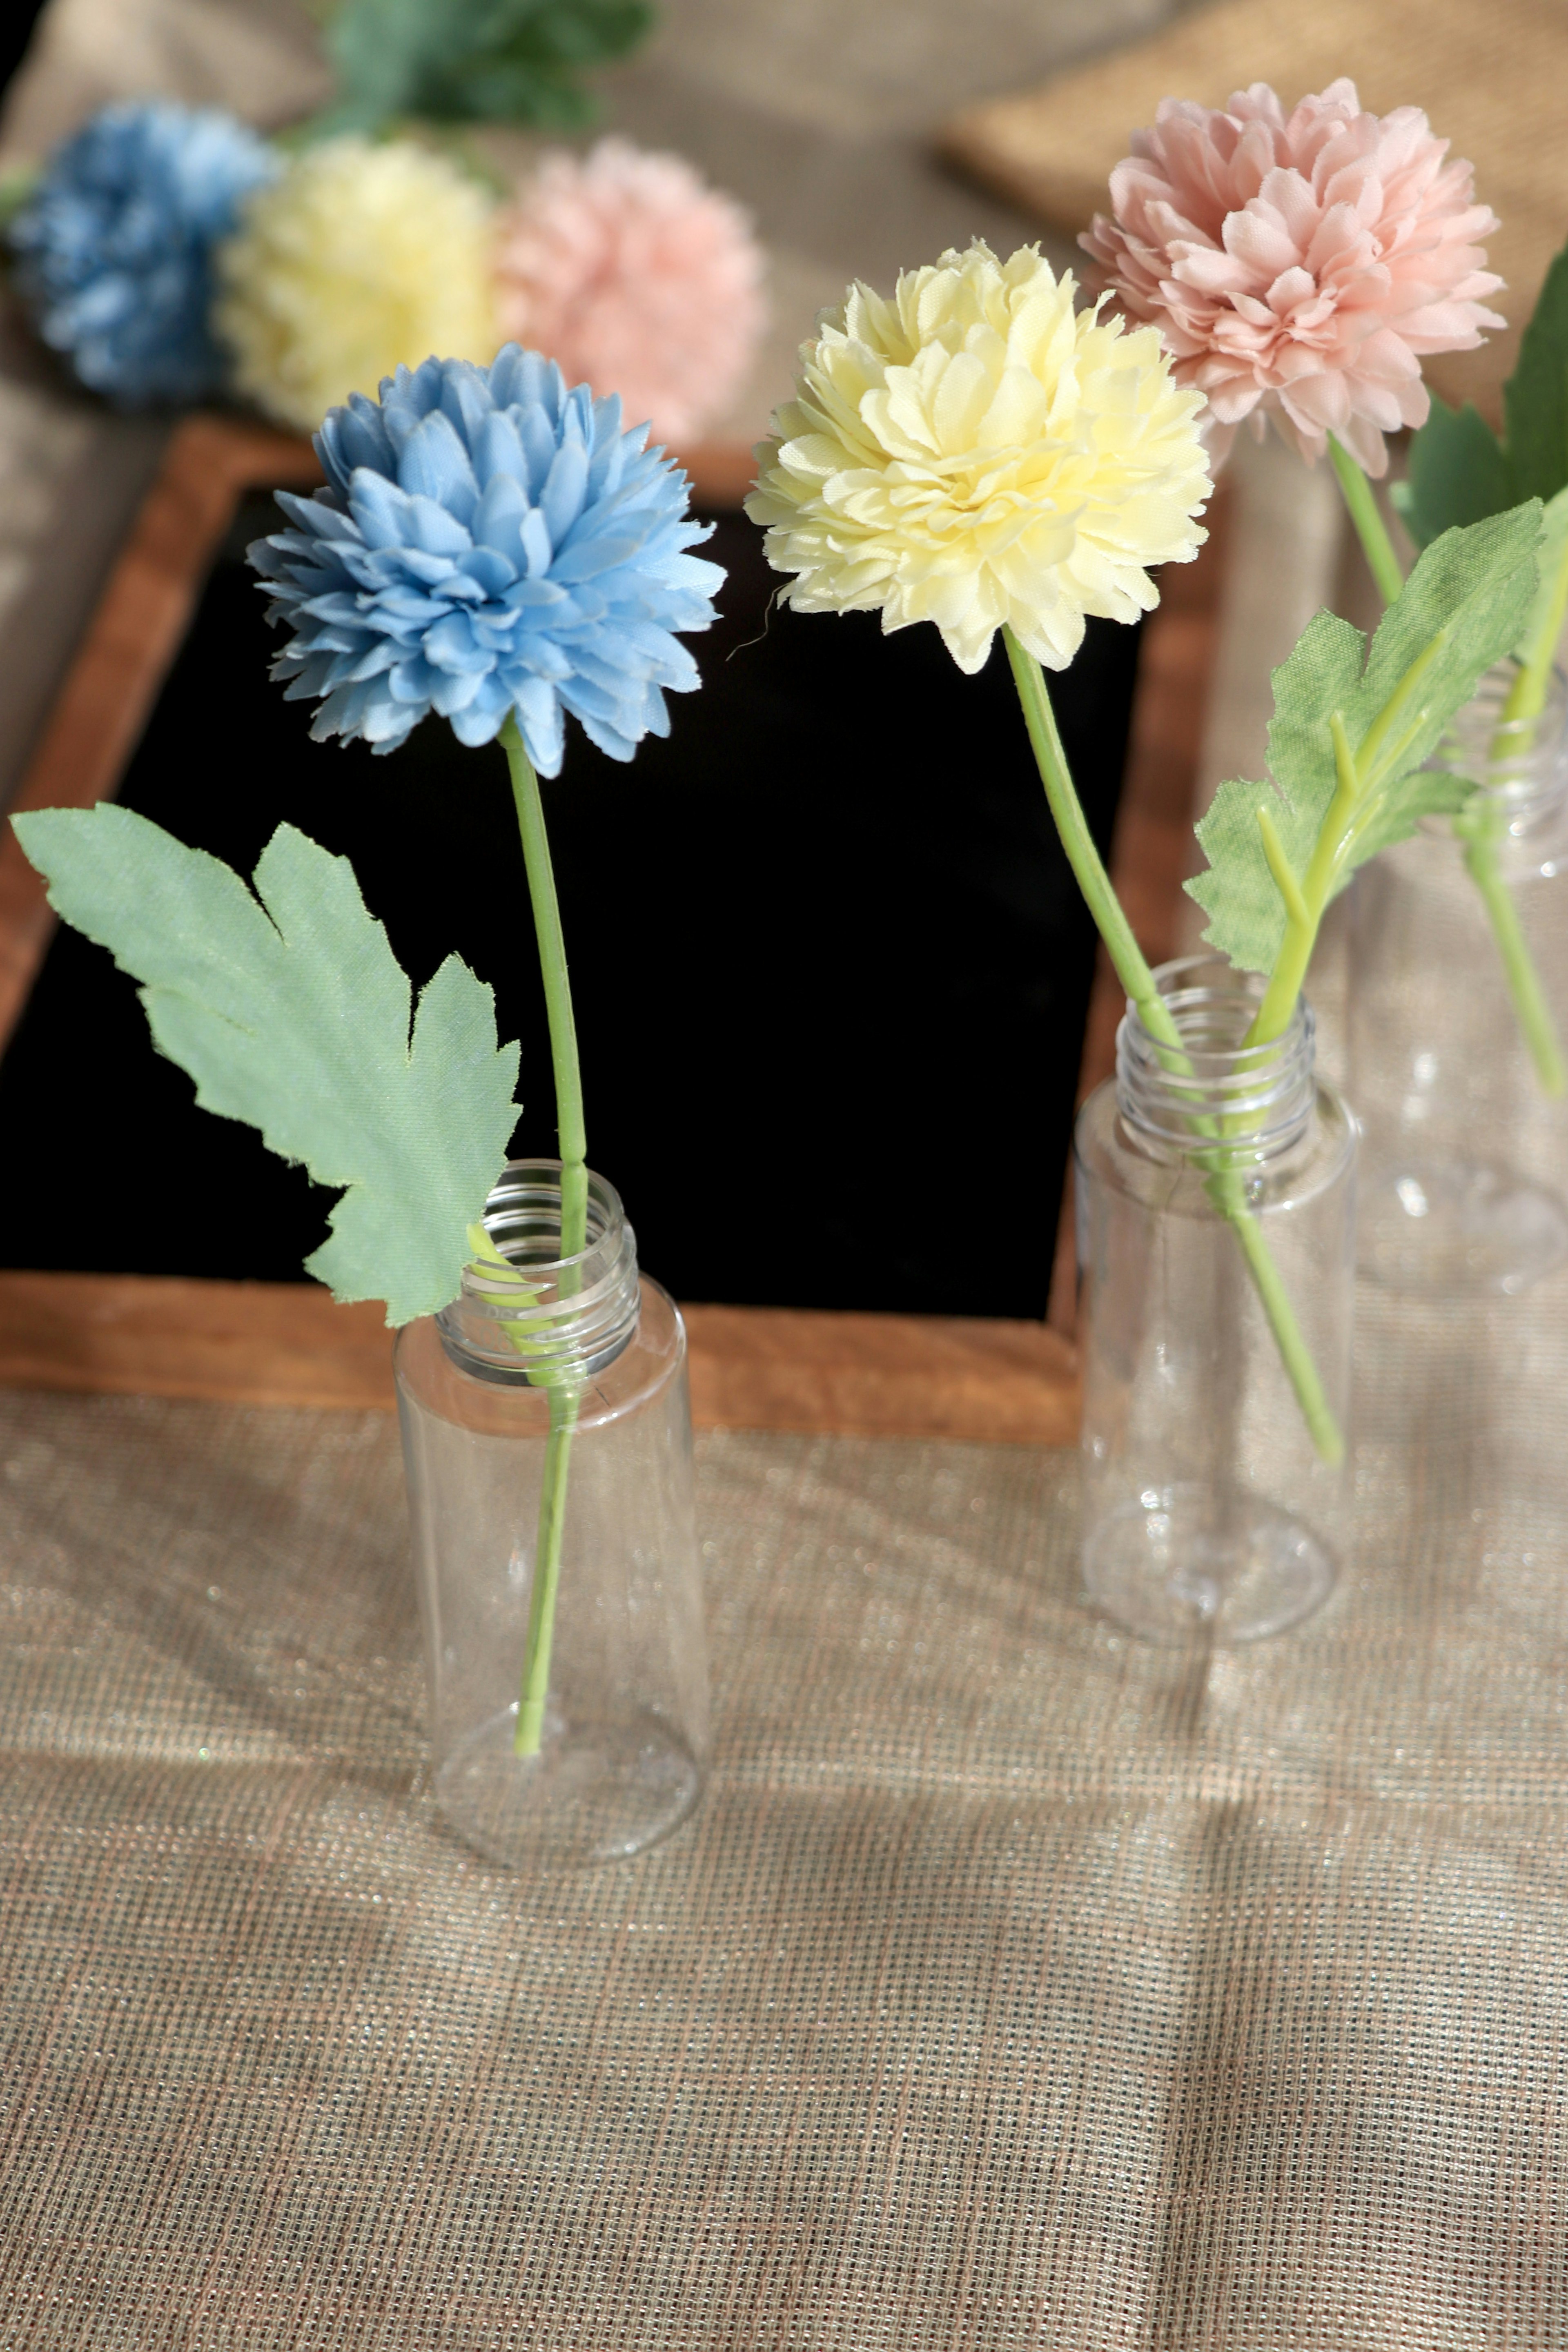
point(1016, 1983)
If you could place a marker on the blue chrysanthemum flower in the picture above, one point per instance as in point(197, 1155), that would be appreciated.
point(489, 543)
point(114, 245)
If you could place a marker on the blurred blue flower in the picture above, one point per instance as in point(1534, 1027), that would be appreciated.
point(488, 543)
point(114, 245)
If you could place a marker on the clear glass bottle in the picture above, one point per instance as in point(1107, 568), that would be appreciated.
point(624, 1733)
point(1211, 1511)
point(1459, 985)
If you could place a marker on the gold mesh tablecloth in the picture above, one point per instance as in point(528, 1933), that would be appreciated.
point(1015, 1985)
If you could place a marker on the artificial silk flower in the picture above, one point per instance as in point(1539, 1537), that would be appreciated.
point(637, 279)
point(493, 548)
point(358, 261)
point(114, 245)
point(1299, 268)
point(974, 454)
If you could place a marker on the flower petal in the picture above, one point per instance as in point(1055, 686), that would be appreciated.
point(445, 588)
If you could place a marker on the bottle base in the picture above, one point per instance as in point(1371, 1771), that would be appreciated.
point(1437, 1225)
point(1186, 1564)
point(596, 1792)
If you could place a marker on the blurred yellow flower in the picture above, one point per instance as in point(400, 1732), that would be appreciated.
point(973, 453)
point(358, 258)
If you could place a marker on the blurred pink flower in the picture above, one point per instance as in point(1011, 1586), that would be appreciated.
point(1300, 269)
point(636, 278)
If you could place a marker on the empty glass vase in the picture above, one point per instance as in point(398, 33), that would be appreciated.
point(556, 1391)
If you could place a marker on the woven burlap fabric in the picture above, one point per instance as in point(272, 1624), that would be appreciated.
point(1017, 1984)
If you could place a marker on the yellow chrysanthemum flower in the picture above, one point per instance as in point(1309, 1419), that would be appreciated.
point(973, 453)
point(358, 258)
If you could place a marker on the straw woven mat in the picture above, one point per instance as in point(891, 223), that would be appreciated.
point(1492, 74)
point(1015, 1985)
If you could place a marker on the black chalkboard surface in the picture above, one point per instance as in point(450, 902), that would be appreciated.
point(829, 964)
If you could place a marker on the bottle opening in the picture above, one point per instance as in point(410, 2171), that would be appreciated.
point(1215, 1099)
point(543, 1320)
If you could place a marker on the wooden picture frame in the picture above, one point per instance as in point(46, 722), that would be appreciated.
point(756, 1368)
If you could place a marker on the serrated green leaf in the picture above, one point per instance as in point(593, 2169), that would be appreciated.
point(467, 60)
point(1470, 594)
point(1464, 606)
point(294, 1016)
point(1239, 891)
point(1535, 397)
point(1321, 673)
point(1459, 474)
point(1424, 792)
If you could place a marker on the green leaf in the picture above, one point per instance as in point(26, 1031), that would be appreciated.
point(1464, 605)
point(1543, 624)
point(1459, 474)
point(293, 1015)
point(466, 60)
point(1535, 397)
point(1459, 471)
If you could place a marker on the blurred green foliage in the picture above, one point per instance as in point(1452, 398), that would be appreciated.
point(473, 60)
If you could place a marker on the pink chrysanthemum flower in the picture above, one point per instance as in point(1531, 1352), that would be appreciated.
point(636, 278)
point(1299, 269)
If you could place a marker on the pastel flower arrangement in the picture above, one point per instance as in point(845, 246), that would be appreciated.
point(171, 255)
point(974, 451)
point(494, 549)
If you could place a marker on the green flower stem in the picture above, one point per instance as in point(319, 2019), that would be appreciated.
point(547, 1573)
point(1525, 703)
point(1371, 528)
point(574, 1148)
point(1527, 696)
point(570, 1132)
point(1359, 776)
point(1126, 955)
point(1225, 1185)
point(1305, 902)
point(1482, 836)
point(1535, 1014)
